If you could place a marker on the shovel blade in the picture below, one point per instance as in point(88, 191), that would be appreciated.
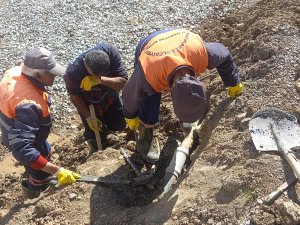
point(98, 180)
point(285, 124)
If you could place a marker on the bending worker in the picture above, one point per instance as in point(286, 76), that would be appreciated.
point(171, 60)
point(26, 121)
point(96, 77)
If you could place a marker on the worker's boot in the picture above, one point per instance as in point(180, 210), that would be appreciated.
point(103, 135)
point(92, 145)
point(146, 146)
point(28, 193)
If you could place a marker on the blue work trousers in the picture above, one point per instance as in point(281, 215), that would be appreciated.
point(149, 109)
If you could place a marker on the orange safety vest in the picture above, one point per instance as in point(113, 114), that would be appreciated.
point(16, 89)
point(167, 51)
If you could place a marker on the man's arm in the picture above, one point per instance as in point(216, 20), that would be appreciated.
point(117, 76)
point(117, 67)
point(116, 83)
point(219, 57)
point(134, 92)
point(72, 81)
point(22, 137)
point(50, 168)
point(80, 105)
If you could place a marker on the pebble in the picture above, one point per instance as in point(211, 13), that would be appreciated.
point(260, 201)
point(72, 196)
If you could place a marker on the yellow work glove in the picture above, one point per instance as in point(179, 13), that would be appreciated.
point(235, 90)
point(133, 124)
point(65, 176)
point(89, 81)
point(91, 124)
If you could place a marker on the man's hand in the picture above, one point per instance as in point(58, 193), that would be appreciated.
point(65, 176)
point(133, 124)
point(235, 90)
point(90, 81)
point(91, 124)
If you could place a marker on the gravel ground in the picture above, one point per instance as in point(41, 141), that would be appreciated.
point(69, 27)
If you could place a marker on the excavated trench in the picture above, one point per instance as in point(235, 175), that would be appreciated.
point(168, 132)
point(170, 135)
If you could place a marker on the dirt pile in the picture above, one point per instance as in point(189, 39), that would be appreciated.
point(225, 180)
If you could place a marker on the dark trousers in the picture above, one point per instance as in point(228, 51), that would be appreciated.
point(112, 119)
point(149, 109)
point(38, 178)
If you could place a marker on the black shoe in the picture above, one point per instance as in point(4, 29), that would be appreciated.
point(31, 194)
point(92, 145)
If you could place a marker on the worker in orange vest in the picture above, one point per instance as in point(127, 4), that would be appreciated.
point(25, 119)
point(171, 60)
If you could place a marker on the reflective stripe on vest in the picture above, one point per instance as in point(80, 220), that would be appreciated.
point(167, 51)
point(15, 89)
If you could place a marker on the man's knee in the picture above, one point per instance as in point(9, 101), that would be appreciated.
point(117, 126)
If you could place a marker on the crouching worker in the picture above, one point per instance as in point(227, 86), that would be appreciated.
point(95, 78)
point(171, 60)
point(26, 121)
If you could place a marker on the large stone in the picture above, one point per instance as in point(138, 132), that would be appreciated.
point(289, 212)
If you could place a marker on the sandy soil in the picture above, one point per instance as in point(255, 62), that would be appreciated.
point(225, 179)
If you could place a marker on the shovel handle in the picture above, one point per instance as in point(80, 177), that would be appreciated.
point(294, 163)
point(288, 154)
point(282, 188)
point(126, 157)
point(94, 120)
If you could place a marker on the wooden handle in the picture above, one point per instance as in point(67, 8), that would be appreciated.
point(94, 120)
point(288, 154)
point(275, 194)
point(294, 163)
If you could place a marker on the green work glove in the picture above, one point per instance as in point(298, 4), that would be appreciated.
point(235, 90)
point(91, 125)
point(133, 124)
point(65, 176)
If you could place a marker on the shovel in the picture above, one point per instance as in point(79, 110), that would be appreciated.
point(94, 120)
point(141, 178)
point(106, 181)
point(275, 130)
point(97, 180)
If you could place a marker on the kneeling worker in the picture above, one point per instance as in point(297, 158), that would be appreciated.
point(95, 78)
point(26, 121)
